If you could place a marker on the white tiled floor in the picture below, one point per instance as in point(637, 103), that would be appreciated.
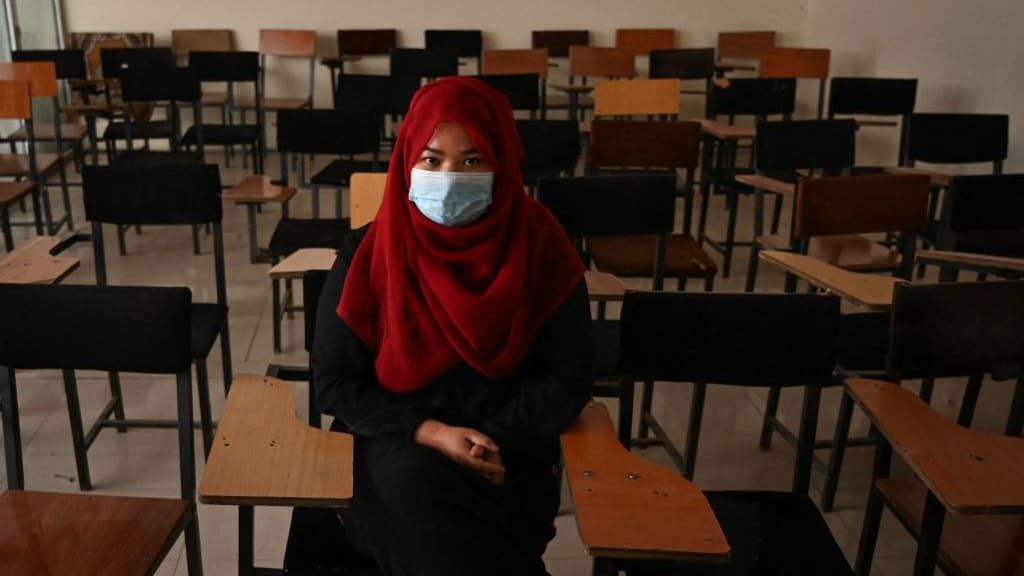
point(144, 462)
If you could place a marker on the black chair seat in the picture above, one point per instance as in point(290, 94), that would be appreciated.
point(338, 172)
point(292, 234)
point(158, 158)
point(157, 130)
point(773, 533)
point(223, 134)
point(995, 242)
point(207, 320)
point(867, 170)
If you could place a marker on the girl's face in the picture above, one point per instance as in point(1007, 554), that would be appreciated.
point(451, 150)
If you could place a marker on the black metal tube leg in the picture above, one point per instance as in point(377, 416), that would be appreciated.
point(693, 429)
point(118, 397)
point(626, 389)
point(195, 239)
point(768, 424)
point(873, 510)
point(276, 294)
point(12, 430)
point(225, 356)
point(245, 540)
point(931, 536)
point(5, 224)
point(927, 387)
point(835, 459)
point(187, 469)
point(970, 400)
point(646, 399)
point(732, 203)
point(205, 414)
point(1015, 421)
point(77, 433)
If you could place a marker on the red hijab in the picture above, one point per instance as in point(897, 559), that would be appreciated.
point(423, 296)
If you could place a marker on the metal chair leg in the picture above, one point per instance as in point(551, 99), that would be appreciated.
point(118, 398)
point(12, 430)
point(768, 424)
point(77, 432)
point(205, 414)
point(873, 510)
point(835, 460)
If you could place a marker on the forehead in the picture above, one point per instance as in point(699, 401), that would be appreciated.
point(450, 137)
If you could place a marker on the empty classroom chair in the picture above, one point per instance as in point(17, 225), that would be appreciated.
point(888, 102)
point(16, 104)
point(810, 63)
point(641, 41)
point(466, 43)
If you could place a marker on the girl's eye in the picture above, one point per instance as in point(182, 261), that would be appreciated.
point(472, 162)
point(430, 161)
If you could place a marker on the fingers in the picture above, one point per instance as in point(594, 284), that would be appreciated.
point(481, 439)
point(477, 451)
point(483, 467)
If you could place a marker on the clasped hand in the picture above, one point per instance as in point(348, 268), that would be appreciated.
point(464, 446)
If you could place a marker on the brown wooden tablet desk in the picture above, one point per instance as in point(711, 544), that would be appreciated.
point(251, 192)
point(982, 263)
point(263, 455)
point(61, 534)
point(973, 474)
point(32, 263)
point(866, 290)
point(629, 507)
point(939, 179)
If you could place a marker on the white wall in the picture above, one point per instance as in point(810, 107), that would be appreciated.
point(968, 56)
point(506, 24)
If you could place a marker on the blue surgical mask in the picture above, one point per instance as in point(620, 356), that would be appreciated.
point(451, 198)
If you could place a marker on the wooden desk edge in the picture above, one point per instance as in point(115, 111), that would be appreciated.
point(770, 256)
point(234, 500)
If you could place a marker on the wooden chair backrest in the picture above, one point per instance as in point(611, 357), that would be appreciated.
point(861, 205)
point(795, 63)
point(627, 506)
point(185, 41)
point(15, 100)
point(644, 144)
point(367, 42)
point(558, 42)
point(365, 196)
point(744, 45)
point(531, 61)
point(288, 43)
point(41, 76)
point(640, 96)
point(606, 62)
point(641, 41)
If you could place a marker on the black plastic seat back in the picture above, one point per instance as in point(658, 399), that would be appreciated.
point(465, 43)
point(152, 194)
point(522, 90)
point(423, 63)
point(159, 84)
point(754, 97)
point(958, 138)
point(328, 132)
point(683, 63)
point(113, 60)
point(558, 42)
point(987, 203)
point(110, 328)
point(312, 284)
point(375, 93)
point(736, 339)
point(957, 329)
point(549, 145)
point(225, 66)
point(618, 205)
point(828, 145)
point(872, 96)
point(70, 62)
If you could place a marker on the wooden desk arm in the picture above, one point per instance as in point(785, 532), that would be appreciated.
point(263, 455)
point(767, 184)
point(971, 472)
point(999, 265)
point(628, 507)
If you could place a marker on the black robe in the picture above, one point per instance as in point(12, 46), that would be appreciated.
point(414, 510)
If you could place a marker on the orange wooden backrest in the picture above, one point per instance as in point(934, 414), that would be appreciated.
point(516, 62)
point(15, 102)
point(744, 45)
point(641, 41)
point(794, 63)
point(41, 76)
point(637, 96)
point(607, 62)
point(293, 43)
point(185, 41)
point(861, 205)
point(366, 196)
point(644, 144)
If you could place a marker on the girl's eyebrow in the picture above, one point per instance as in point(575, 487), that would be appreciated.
point(433, 150)
point(469, 151)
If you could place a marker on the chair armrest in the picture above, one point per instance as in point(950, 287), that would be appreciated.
point(628, 507)
point(867, 290)
point(969, 471)
point(999, 265)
